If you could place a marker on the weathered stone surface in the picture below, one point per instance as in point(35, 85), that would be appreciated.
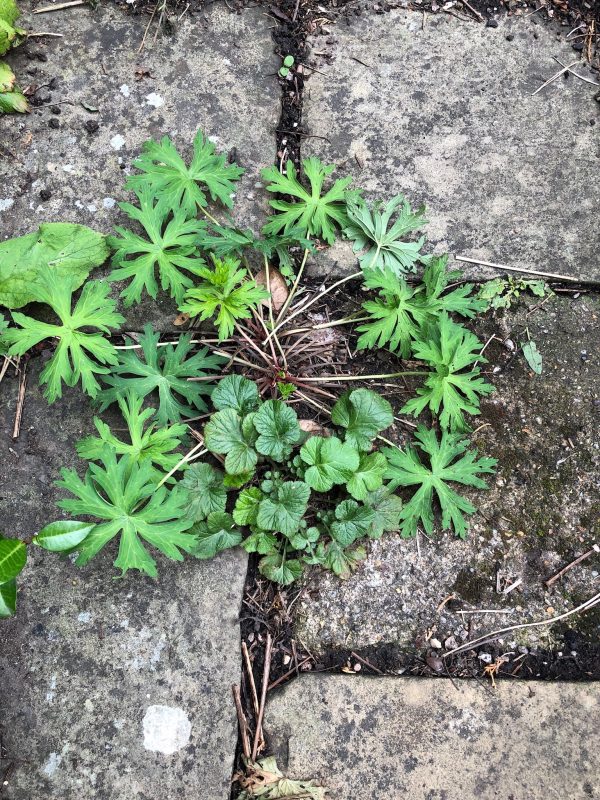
point(442, 110)
point(215, 73)
point(542, 509)
point(431, 739)
point(110, 688)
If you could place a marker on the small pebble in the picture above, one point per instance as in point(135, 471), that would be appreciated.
point(434, 663)
point(485, 657)
point(491, 23)
point(55, 109)
point(510, 37)
point(436, 644)
point(53, 123)
point(45, 194)
point(91, 125)
point(450, 643)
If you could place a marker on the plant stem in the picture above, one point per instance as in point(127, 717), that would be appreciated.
point(210, 216)
point(294, 288)
point(324, 325)
point(165, 344)
point(271, 320)
point(187, 457)
point(335, 378)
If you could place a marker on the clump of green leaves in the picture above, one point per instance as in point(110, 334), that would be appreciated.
point(284, 69)
point(312, 212)
point(505, 292)
point(297, 499)
point(123, 493)
point(167, 370)
point(225, 295)
point(80, 355)
point(12, 99)
point(446, 461)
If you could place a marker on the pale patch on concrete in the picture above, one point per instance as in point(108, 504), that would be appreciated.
point(117, 142)
point(155, 100)
point(6, 203)
point(166, 729)
point(52, 764)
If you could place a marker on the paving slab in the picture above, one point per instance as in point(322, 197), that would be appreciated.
point(443, 111)
point(542, 511)
point(215, 73)
point(396, 738)
point(110, 688)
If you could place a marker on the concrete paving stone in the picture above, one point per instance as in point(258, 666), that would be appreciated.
point(398, 738)
point(442, 110)
point(542, 510)
point(215, 73)
point(109, 688)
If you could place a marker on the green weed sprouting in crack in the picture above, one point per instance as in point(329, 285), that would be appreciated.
point(296, 492)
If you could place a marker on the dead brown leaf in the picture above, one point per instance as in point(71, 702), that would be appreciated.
point(278, 286)
point(310, 426)
point(181, 319)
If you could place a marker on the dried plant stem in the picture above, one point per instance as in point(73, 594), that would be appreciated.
point(263, 696)
point(241, 721)
point(504, 268)
point(294, 288)
point(335, 378)
point(193, 453)
point(323, 325)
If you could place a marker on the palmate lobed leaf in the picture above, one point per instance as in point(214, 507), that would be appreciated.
point(330, 462)
point(278, 429)
point(447, 461)
point(363, 414)
point(228, 434)
point(311, 212)
point(225, 294)
point(450, 392)
point(165, 369)
point(166, 175)
point(125, 496)
point(284, 509)
point(79, 355)
point(382, 245)
point(206, 491)
point(168, 248)
point(215, 534)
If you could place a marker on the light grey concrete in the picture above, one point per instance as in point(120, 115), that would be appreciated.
point(110, 688)
point(542, 510)
point(215, 73)
point(442, 110)
point(397, 738)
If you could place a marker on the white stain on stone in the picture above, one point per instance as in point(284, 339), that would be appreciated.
point(6, 203)
point(125, 90)
point(166, 729)
point(117, 142)
point(69, 169)
point(155, 100)
point(51, 688)
point(52, 764)
point(109, 202)
point(84, 616)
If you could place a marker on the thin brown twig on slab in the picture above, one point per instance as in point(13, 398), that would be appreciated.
point(241, 720)
point(578, 560)
point(60, 6)
point(263, 696)
point(20, 403)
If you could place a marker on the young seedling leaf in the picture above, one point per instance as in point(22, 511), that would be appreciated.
point(167, 370)
point(342, 561)
point(277, 425)
point(236, 392)
point(438, 299)
point(386, 507)
point(352, 521)
point(368, 476)
point(206, 492)
point(13, 556)
point(363, 414)
point(450, 392)
point(166, 175)
point(216, 534)
point(280, 570)
point(124, 495)
point(265, 544)
point(330, 462)
point(225, 434)
point(532, 356)
point(313, 213)
point(383, 246)
point(285, 508)
point(246, 506)
point(80, 354)
point(168, 248)
point(62, 535)
point(446, 461)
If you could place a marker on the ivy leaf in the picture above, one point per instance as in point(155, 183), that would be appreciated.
point(8, 598)
point(79, 353)
point(284, 509)
point(124, 495)
point(225, 294)
point(280, 570)
point(216, 534)
point(277, 425)
point(168, 247)
point(166, 369)
point(448, 461)
point(368, 476)
point(166, 175)
point(236, 392)
point(342, 561)
point(312, 213)
point(363, 414)
point(63, 248)
point(206, 492)
point(246, 506)
point(330, 462)
point(450, 392)
point(397, 315)
point(382, 245)
point(532, 356)
point(157, 445)
point(265, 544)
point(352, 521)
point(13, 556)
point(387, 508)
point(63, 535)
point(460, 300)
point(224, 434)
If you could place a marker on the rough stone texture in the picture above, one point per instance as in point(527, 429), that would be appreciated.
point(214, 73)
point(542, 510)
point(442, 110)
point(432, 740)
point(89, 663)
